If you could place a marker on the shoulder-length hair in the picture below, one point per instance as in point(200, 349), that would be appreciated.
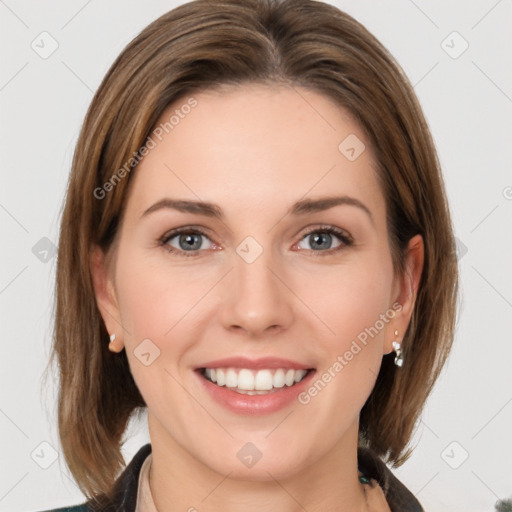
point(198, 46)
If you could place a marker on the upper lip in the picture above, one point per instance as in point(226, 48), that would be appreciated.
point(256, 364)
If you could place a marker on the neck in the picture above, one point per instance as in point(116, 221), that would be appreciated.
point(179, 481)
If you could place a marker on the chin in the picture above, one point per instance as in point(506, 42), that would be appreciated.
point(263, 464)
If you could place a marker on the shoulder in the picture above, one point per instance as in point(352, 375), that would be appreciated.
point(124, 493)
point(397, 495)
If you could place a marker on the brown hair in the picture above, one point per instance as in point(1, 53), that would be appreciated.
point(205, 44)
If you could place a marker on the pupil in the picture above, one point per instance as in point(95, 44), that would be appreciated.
point(189, 241)
point(318, 237)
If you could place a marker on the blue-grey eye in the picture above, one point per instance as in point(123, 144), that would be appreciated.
point(187, 241)
point(322, 240)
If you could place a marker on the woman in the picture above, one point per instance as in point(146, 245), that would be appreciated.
point(256, 248)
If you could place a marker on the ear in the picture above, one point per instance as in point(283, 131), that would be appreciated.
point(405, 291)
point(106, 297)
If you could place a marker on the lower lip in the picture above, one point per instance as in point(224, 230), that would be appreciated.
point(255, 404)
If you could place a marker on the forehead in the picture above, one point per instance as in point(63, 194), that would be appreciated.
point(254, 144)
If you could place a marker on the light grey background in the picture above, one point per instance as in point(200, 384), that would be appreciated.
point(468, 103)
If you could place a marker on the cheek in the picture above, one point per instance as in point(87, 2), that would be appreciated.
point(162, 304)
point(358, 299)
point(154, 300)
point(351, 298)
point(156, 305)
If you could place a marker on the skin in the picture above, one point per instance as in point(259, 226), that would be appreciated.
point(255, 150)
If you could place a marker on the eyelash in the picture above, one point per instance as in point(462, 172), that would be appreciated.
point(344, 237)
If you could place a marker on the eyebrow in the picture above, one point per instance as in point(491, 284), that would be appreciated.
point(302, 207)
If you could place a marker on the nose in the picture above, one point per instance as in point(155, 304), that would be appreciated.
point(257, 300)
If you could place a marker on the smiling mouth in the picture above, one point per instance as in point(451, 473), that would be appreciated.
point(254, 382)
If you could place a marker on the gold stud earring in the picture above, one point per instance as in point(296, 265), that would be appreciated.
point(399, 358)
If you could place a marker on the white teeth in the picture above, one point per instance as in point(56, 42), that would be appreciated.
point(299, 376)
point(253, 382)
point(289, 378)
point(278, 380)
point(263, 380)
point(221, 377)
point(245, 380)
point(231, 378)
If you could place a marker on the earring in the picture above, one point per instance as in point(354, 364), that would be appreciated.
point(111, 344)
point(399, 359)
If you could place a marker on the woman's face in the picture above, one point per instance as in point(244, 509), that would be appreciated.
point(267, 281)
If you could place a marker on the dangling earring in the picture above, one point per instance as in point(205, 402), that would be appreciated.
point(399, 359)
